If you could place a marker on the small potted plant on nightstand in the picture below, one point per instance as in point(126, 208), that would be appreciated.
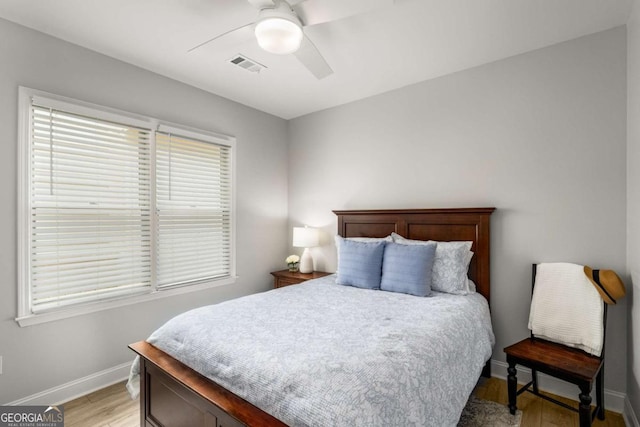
point(292, 262)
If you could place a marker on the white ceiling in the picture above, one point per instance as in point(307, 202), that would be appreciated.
point(371, 53)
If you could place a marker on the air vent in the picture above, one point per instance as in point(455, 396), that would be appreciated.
point(246, 63)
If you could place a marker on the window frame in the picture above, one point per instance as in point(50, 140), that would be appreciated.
point(25, 317)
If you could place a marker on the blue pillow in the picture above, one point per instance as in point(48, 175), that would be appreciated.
point(360, 263)
point(407, 268)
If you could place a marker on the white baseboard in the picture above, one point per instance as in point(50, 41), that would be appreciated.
point(629, 415)
point(613, 400)
point(77, 388)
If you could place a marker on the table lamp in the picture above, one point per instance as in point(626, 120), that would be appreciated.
point(305, 237)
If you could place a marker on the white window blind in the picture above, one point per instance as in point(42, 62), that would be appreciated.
point(90, 222)
point(114, 206)
point(193, 199)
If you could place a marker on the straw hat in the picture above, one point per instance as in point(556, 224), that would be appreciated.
point(607, 283)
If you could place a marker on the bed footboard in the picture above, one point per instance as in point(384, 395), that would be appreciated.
point(172, 394)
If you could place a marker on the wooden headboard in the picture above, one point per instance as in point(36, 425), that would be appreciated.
point(467, 224)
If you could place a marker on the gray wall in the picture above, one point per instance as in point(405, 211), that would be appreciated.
point(43, 356)
point(540, 136)
point(633, 206)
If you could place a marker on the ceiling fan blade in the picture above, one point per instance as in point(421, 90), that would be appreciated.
point(311, 58)
point(262, 4)
point(239, 35)
point(312, 12)
point(294, 3)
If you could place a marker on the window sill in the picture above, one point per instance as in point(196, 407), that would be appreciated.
point(50, 316)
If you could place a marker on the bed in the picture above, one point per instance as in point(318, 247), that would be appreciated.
point(175, 394)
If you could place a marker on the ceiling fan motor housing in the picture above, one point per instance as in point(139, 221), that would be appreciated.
point(279, 30)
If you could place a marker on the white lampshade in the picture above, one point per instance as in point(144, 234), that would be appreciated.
point(278, 35)
point(305, 237)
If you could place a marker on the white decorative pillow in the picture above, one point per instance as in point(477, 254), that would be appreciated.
point(450, 265)
point(470, 288)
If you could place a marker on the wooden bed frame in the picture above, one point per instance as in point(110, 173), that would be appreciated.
point(172, 394)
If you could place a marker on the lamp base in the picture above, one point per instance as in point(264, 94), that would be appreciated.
point(306, 262)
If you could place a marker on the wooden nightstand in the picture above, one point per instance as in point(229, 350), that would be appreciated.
point(285, 277)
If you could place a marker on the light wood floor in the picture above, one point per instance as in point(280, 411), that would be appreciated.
point(537, 412)
point(113, 407)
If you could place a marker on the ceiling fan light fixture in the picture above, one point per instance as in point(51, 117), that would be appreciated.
point(279, 35)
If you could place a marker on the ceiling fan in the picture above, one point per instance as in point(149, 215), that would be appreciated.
point(279, 27)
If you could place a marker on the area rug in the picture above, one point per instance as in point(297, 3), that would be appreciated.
point(483, 413)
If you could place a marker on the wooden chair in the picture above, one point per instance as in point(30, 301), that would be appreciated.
point(557, 360)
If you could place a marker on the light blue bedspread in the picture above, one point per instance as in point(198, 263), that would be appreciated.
point(321, 354)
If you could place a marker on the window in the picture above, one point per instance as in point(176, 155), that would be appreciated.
point(116, 206)
point(193, 207)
